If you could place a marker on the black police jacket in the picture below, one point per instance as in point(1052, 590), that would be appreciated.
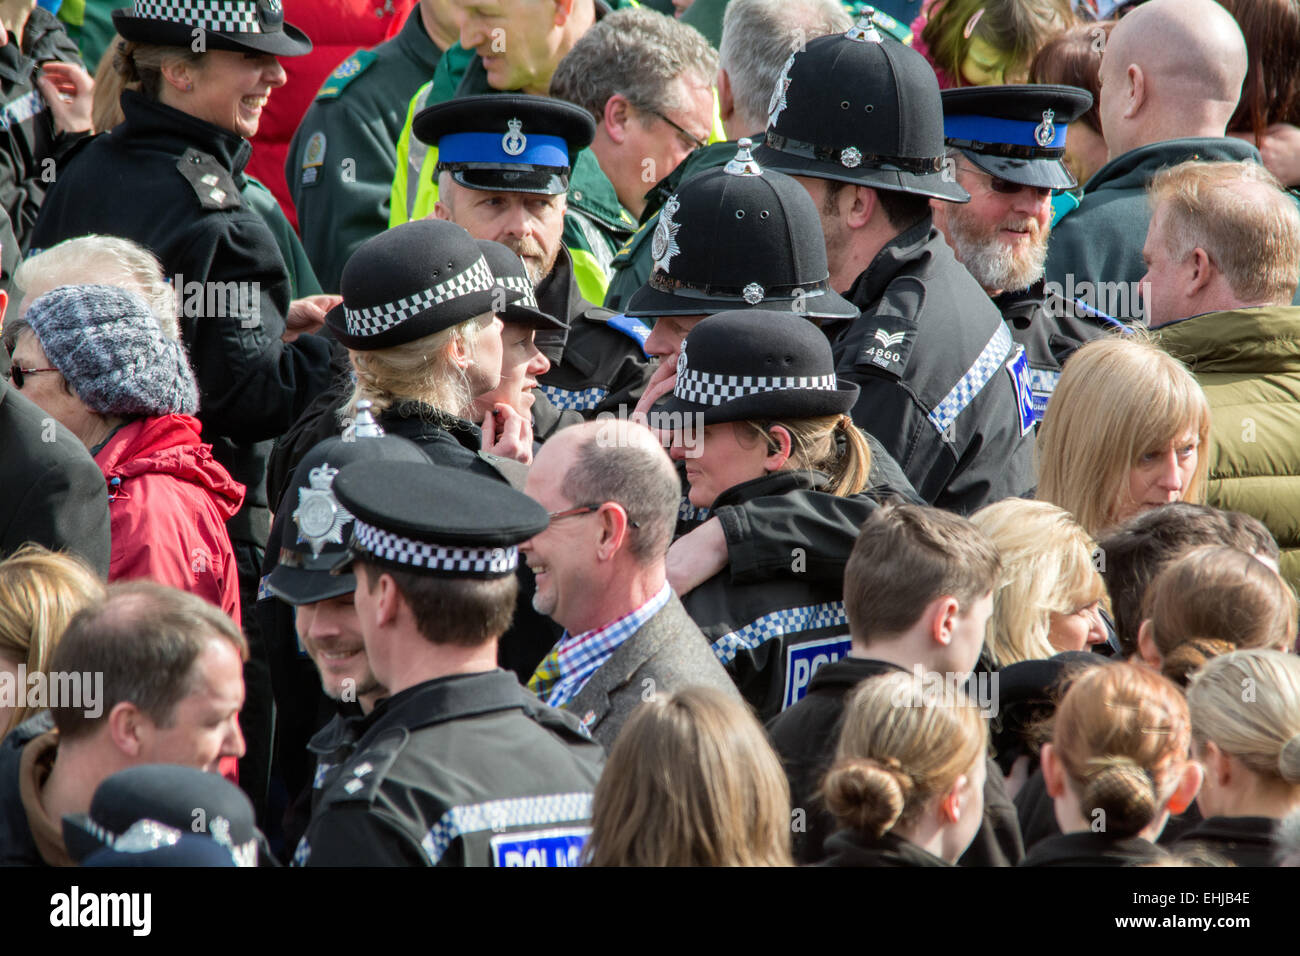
point(598, 364)
point(17, 847)
point(772, 631)
point(1051, 330)
point(31, 151)
point(467, 770)
point(171, 182)
point(850, 848)
point(1093, 849)
point(1246, 841)
point(806, 736)
point(944, 387)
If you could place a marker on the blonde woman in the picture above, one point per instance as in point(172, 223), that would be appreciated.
point(907, 785)
point(1049, 595)
point(40, 591)
point(1211, 601)
point(691, 781)
point(1126, 431)
point(784, 431)
point(1117, 767)
point(1245, 709)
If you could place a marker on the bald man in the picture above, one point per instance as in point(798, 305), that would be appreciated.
point(1171, 75)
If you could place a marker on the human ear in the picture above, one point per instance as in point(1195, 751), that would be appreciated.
point(1189, 785)
point(179, 74)
point(943, 619)
point(1147, 649)
point(781, 437)
point(616, 117)
point(124, 727)
point(563, 10)
point(864, 203)
point(1202, 270)
point(950, 803)
point(726, 101)
point(1136, 89)
point(1053, 775)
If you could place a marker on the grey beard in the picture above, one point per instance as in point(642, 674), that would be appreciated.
point(994, 266)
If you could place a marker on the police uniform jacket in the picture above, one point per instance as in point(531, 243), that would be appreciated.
point(467, 770)
point(547, 419)
point(850, 848)
point(1246, 841)
point(53, 492)
point(30, 139)
point(944, 386)
point(174, 182)
point(601, 364)
point(769, 631)
point(1050, 330)
point(343, 156)
point(665, 655)
point(805, 737)
point(1093, 849)
point(1102, 240)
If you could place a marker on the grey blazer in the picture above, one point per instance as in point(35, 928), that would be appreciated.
point(665, 655)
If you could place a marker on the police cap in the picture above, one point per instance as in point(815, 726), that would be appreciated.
point(753, 365)
point(1016, 133)
point(860, 108)
point(239, 25)
point(507, 142)
point(434, 520)
point(739, 237)
point(509, 272)
point(411, 281)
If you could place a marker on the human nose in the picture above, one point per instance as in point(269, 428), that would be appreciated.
point(677, 451)
point(539, 364)
point(1097, 631)
point(275, 74)
point(659, 342)
point(234, 744)
point(1171, 476)
point(471, 33)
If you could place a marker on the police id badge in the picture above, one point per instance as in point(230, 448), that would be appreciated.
point(802, 661)
point(561, 847)
point(1018, 369)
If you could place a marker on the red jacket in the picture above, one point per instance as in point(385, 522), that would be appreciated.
point(168, 513)
point(337, 28)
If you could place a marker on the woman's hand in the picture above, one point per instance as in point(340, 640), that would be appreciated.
point(508, 434)
point(696, 557)
point(307, 315)
point(1279, 147)
point(69, 91)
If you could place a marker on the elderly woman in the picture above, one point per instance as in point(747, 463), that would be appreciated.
point(170, 177)
point(94, 358)
point(1126, 431)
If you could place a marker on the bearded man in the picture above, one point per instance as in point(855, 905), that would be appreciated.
point(1006, 147)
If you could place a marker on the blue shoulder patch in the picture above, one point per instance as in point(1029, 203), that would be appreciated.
point(632, 328)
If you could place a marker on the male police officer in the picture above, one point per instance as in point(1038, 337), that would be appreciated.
point(1006, 145)
point(460, 766)
point(313, 634)
point(503, 168)
point(857, 119)
point(342, 158)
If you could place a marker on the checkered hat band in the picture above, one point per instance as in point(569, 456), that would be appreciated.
point(516, 284)
point(381, 318)
point(702, 388)
point(219, 16)
point(436, 557)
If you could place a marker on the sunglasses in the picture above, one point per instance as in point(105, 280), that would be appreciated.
point(16, 373)
point(1005, 187)
point(582, 510)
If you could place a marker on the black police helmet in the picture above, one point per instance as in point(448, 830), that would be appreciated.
point(239, 25)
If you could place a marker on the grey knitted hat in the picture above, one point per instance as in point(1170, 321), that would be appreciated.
point(109, 347)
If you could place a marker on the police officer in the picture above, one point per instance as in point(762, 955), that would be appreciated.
point(504, 163)
point(522, 360)
point(858, 120)
point(343, 155)
point(321, 676)
point(771, 630)
point(460, 766)
point(1006, 145)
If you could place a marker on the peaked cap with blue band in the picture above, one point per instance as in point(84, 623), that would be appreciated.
point(507, 142)
point(1016, 133)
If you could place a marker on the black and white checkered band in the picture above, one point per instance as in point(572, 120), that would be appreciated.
point(219, 16)
point(518, 284)
point(703, 388)
point(381, 318)
point(436, 557)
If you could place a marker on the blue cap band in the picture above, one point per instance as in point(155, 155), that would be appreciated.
point(539, 150)
point(994, 129)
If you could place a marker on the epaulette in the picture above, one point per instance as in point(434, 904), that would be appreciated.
point(890, 346)
point(360, 778)
point(211, 181)
point(345, 73)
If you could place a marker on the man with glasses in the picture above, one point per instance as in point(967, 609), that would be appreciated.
point(611, 493)
point(1006, 147)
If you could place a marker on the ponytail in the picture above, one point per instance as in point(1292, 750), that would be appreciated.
point(831, 444)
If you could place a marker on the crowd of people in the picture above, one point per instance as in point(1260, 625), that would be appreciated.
point(729, 432)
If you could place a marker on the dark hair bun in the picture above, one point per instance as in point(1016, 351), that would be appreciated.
point(1190, 656)
point(1126, 796)
point(867, 795)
